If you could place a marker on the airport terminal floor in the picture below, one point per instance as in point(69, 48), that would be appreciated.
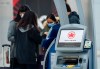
point(49, 34)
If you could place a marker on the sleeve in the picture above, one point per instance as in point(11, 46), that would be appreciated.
point(54, 31)
point(48, 36)
point(35, 36)
point(46, 42)
point(11, 31)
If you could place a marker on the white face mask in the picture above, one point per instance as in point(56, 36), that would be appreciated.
point(22, 15)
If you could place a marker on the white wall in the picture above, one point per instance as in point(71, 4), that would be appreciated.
point(6, 13)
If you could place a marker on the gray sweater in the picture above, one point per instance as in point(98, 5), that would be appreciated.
point(10, 36)
point(11, 31)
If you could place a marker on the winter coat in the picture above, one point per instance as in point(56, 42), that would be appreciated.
point(26, 41)
point(10, 36)
point(73, 18)
point(51, 36)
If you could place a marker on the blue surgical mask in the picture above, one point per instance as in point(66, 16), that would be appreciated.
point(51, 24)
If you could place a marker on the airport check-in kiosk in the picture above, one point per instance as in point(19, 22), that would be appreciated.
point(71, 49)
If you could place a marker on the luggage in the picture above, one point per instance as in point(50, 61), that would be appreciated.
point(6, 55)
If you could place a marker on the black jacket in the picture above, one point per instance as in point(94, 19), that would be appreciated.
point(26, 43)
point(73, 18)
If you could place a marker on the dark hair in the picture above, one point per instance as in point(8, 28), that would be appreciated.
point(23, 8)
point(65, 0)
point(30, 19)
point(68, 8)
point(17, 18)
point(51, 16)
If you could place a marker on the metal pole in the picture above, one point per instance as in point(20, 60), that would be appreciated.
point(62, 11)
point(80, 11)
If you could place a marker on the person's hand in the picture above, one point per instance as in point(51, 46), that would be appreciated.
point(46, 33)
point(43, 50)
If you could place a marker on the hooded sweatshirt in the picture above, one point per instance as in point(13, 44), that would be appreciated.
point(74, 18)
point(26, 41)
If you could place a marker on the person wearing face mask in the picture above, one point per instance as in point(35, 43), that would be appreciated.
point(51, 21)
point(54, 26)
point(11, 33)
point(23, 9)
point(27, 40)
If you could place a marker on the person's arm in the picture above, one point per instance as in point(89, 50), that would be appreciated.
point(45, 24)
point(11, 31)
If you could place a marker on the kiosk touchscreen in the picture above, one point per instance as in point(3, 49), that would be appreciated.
point(70, 39)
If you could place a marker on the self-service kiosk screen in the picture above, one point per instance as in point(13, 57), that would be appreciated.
point(70, 38)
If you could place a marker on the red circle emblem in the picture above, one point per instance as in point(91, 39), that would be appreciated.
point(71, 35)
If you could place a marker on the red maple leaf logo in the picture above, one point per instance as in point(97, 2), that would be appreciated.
point(71, 35)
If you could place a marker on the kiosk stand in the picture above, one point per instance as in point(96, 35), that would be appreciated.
point(72, 51)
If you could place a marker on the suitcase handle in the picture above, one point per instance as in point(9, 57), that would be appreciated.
point(5, 45)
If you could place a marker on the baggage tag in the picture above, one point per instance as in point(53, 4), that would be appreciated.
point(87, 44)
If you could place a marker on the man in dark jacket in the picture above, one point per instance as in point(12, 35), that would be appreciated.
point(73, 16)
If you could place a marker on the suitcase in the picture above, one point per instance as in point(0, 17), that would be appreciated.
point(6, 55)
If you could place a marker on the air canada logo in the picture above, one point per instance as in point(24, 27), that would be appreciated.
point(71, 35)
